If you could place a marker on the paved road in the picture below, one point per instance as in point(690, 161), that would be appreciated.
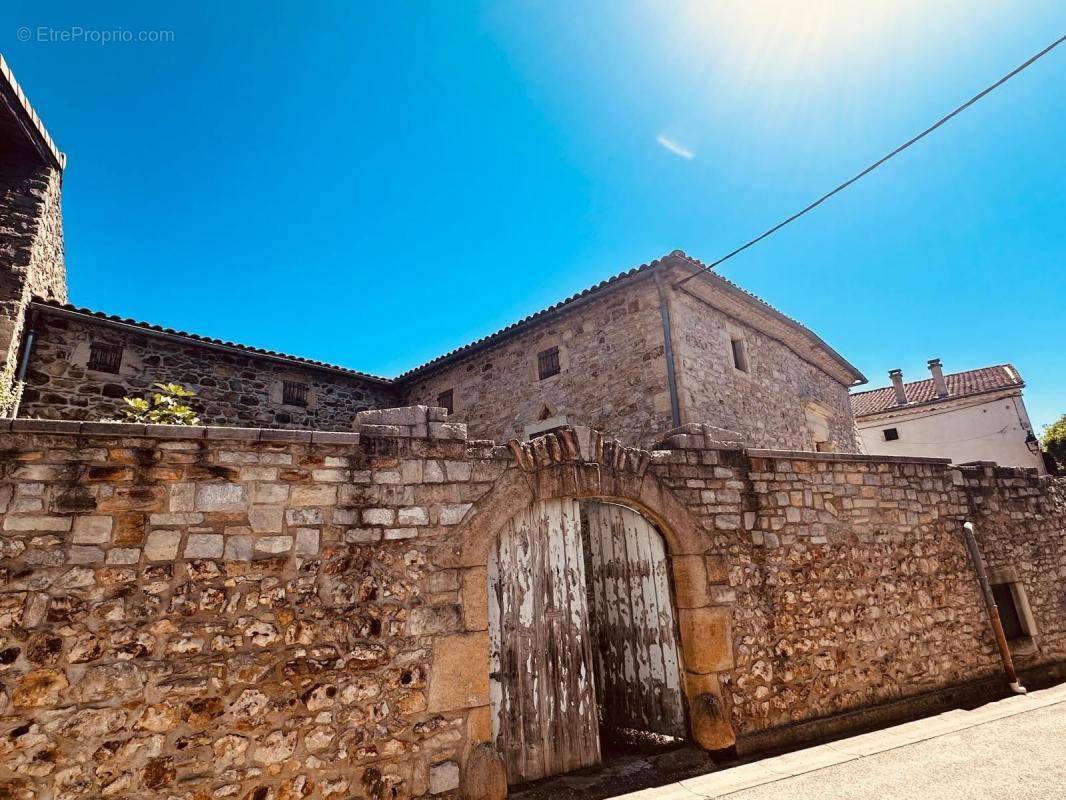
point(1014, 749)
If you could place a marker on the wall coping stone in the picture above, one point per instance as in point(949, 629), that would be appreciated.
point(810, 455)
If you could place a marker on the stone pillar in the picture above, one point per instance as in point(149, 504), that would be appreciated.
point(31, 223)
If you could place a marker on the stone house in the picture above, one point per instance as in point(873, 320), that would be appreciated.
point(975, 415)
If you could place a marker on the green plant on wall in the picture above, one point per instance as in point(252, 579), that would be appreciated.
point(164, 407)
point(1054, 440)
point(10, 390)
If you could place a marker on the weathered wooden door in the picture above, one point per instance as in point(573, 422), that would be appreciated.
point(543, 702)
point(638, 681)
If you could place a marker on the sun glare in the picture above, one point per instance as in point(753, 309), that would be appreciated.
point(768, 42)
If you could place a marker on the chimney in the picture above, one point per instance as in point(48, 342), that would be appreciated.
point(897, 383)
point(938, 377)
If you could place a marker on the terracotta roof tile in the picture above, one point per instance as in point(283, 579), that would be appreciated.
point(259, 351)
point(960, 384)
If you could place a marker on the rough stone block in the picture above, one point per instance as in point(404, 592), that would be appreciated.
point(443, 777)
point(459, 674)
point(220, 497)
point(92, 530)
point(475, 599)
point(706, 638)
point(204, 545)
point(273, 544)
point(265, 519)
point(162, 545)
point(453, 513)
point(690, 581)
point(307, 541)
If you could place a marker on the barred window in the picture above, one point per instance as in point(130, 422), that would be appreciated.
point(548, 362)
point(294, 393)
point(105, 357)
point(446, 400)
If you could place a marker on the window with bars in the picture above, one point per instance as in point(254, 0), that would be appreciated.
point(548, 363)
point(294, 393)
point(446, 400)
point(105, 357)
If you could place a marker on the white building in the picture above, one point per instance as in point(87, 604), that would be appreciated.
point(977, 415)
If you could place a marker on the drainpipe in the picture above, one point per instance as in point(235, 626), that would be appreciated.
point(27, 349)
point(668, 338)
point(993, 609)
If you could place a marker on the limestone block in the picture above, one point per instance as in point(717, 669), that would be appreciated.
point(92, 530)
point(220, 497)
point(238, 548)
point(273, 544)
point(307, 541)
point(475, 599)
point(265, 519)
point(162, 545)
point(204, 545)
point(484, 775)
point(690, 581)
point(459, 673)
point(706, 638)
point(414, 515)
point(453, 513)
point(37, 524)
point(708, 714)
point(443, 777)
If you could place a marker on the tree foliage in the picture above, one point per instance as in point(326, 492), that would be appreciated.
point(164, 407)
point(1054, 440)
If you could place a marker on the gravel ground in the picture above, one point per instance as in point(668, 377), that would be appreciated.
point(1017, 758)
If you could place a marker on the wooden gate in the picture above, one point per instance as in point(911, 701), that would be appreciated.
point(544, 718)
point(638, 682)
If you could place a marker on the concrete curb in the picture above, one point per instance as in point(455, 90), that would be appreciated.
point(770, 770)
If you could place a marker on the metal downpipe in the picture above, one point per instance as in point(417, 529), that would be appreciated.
point(992, 609)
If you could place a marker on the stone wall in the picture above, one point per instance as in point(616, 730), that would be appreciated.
point(31, 244)
point(232, 387)
point(613, 373)
point(277, 614)
point(766, 403)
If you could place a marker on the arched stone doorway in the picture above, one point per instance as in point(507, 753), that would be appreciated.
point(582, 633)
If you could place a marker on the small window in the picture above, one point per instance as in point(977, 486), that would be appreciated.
point(548, 362)
point(891, 434)
point(740, 354)
point(294, 393)
point(1013, 626)
point(446, 400)
point(105, 357)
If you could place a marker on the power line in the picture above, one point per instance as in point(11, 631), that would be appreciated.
point(880, 161)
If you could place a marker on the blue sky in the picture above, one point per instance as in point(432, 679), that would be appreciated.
point(303, 176)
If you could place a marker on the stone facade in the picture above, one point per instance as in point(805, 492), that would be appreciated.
point(612, 377)
point(614, 374)
point(31, 244)
point(233, 386)
point(767, 401)
point(208, 612)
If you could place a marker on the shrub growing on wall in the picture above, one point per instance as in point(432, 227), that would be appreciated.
point(164, 407)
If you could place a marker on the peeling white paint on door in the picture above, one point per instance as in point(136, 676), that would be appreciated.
point(638, 679)
point(541, 688)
